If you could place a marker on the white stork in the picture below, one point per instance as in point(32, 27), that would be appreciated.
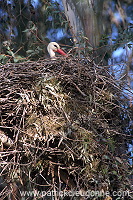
point(54, 47)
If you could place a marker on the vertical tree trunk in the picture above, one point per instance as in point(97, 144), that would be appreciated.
point(85, 16)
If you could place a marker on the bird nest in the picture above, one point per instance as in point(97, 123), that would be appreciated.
point(62, 130)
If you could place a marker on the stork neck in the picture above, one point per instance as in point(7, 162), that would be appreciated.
point(51, 53)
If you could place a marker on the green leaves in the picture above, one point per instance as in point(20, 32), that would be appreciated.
point(3, 58)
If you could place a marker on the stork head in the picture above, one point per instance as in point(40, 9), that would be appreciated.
point(54, 47)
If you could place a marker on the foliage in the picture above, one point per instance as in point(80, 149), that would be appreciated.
point(26, 28)
point(10, 56)
point(125, 37)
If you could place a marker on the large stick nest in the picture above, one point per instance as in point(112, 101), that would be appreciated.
point(62, 128)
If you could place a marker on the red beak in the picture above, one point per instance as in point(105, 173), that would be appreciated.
point(61, 52)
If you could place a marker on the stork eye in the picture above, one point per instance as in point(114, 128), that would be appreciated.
point(55, 46)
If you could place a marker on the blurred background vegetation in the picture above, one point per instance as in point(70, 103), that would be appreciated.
point(26, 27)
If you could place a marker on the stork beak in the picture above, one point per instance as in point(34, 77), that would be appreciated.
point(60, 51)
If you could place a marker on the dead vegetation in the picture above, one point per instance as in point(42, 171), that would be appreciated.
point(63, 124)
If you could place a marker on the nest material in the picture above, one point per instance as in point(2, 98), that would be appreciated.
point(64, 120)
